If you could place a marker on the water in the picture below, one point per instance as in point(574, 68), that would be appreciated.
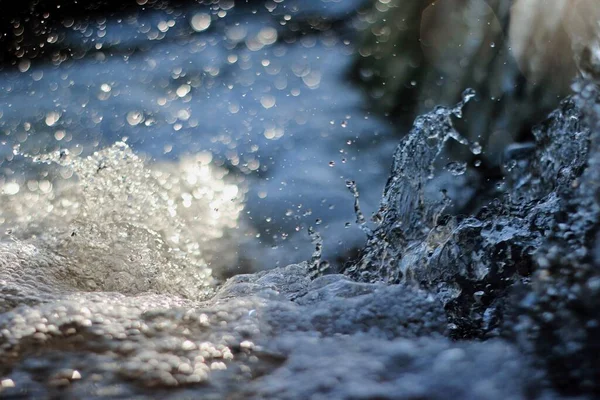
point(471, 261)
point(107, 293)
point(270, 105)
point(115, 224)
point(177, 149)
point(407, 214)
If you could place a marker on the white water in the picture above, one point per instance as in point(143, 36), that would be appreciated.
point(109, 222)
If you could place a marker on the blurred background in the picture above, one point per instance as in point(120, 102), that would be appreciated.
point(293, 97)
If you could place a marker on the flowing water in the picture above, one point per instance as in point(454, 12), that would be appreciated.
point(178, 147)
point(242, 86)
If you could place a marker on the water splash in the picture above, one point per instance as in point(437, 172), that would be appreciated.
point(407, 216)
point(317, 266)
point(467, 95)
point(457, 168)
point(116, 224)
point(471, 262)
point(360, 218)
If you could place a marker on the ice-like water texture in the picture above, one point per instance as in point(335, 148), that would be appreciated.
point(559, 318)
point(406, 216)
point(119, 225)
point(472, 261)
point(526, 264)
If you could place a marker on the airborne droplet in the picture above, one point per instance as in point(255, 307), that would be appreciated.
point(200, 22)
point(456, 168)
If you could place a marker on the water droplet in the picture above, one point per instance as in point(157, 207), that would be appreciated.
point(360, 218)
point(200, 22)
point(24, 65)
point(475, 148)
point(467, 95)
point(7, 383)
point(134, 117)
point(456, 168)
point(267, 101)
point(183, 90)
point(105, 87)
point(52, 118)
point(11, 188)
point(267, 36)
point(510, 165)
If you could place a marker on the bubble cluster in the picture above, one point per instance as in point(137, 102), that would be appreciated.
point(120, 225)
